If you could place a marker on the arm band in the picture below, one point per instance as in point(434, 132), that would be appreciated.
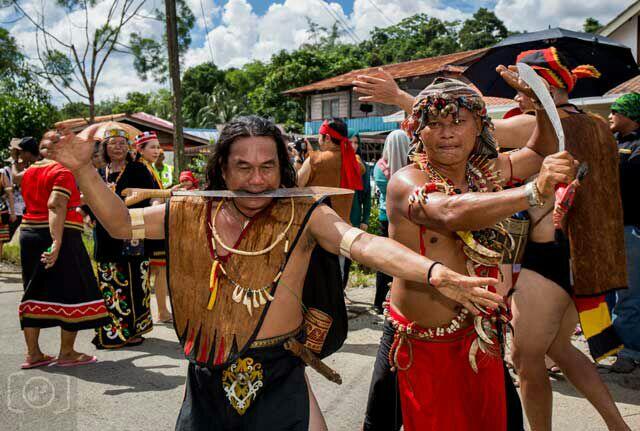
point(137, 223)
point(347, 241)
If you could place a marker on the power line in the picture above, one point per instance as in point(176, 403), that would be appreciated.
point(340, 22)
point(206, 28)
point(381, 13)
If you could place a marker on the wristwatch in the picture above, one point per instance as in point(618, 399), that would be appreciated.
point(533, 194)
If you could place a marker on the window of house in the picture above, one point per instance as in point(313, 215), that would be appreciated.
point(330, 108)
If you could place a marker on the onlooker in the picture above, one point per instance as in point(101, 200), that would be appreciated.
point(122, 265)
point(395, 155)
point(361, 207)
point(59, 283)
point(7, 209)
point(148, 148)
point(188, 181)
point(624, 122)
point(164, 171)
point(335, 165)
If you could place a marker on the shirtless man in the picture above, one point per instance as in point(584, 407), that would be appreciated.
point(444, 205)
point(543, 292)
point(217, 284)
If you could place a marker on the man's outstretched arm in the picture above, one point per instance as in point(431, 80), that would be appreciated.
point(470, 211)
point(393, 258)
point(74, 152)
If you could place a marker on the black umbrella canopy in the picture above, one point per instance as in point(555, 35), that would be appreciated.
point(613, 59)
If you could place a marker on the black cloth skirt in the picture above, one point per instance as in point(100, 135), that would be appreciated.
point(65, 295)
point(125, 288)
point(264, 389)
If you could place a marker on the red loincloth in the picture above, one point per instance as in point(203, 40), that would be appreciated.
point(441, 392)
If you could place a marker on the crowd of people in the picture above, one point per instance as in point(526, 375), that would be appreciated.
point(486, 238)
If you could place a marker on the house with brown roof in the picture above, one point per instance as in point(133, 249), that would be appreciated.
point(194, 139)
point(335, 97)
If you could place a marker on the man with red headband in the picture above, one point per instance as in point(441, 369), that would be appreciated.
point(188, 181)
point(544, 315)
point(335, 165)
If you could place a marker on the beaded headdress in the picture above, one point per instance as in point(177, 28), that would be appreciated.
point(445, 96)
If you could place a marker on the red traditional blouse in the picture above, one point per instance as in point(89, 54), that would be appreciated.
point(39, 181)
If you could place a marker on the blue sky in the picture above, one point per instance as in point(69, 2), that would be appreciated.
point(239, 31)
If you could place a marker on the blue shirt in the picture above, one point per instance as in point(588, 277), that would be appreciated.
point(381, 183)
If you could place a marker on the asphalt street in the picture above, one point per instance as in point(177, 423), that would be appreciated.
point(141, 388)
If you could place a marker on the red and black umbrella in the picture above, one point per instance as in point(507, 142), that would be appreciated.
point(613, 59)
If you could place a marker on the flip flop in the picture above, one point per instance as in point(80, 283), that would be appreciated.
point(81, 360)
point(46, 361)
point(165, 321)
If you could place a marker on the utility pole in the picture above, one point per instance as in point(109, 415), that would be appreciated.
point(176, 87)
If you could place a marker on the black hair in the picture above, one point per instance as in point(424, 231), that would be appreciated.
point(339, 126)
point(105, 154)
point(30, 145)
point(247, 127)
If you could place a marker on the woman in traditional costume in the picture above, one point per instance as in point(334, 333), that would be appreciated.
point(394, 156)
point(122, 264)
point(148, 148)
point(59, 283)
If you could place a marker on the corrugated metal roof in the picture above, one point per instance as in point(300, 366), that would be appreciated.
point(138, 118)
point(408, 69)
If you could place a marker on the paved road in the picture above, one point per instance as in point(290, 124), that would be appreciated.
point(141, 388)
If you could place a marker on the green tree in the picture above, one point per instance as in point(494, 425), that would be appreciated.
point(222, 106)
point(415, 37)
point(11, 60)
point(591, 25)
point(484, 29)
point(25, 110)
point(197, 84)
point(150, 54)
point(74, 110)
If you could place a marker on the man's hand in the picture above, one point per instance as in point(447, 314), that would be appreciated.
point(13, 218)
point(512, 78)
point(381, 88)
point(70, 150)
point(465, 290)
point(558, 168)
point(49, 257)
point(364, 226)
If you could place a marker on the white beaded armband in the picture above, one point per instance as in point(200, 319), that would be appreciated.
point(137, 223)
point(347, 241)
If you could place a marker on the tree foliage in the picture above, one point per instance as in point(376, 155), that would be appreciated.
point(150, 54)
point(591, 25)
point(484, 29)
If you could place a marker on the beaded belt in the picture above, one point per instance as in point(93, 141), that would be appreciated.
point(405, 333)
point(274, 341)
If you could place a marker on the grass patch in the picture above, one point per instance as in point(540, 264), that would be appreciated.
point(11, 253)
point(11, 250)
point(361, 276)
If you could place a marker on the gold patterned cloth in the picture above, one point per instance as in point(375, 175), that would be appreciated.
point(263, 387)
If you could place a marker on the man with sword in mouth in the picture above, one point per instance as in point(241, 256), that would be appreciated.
point(237, 259)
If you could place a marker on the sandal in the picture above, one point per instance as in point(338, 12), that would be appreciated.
point(80, 360)
point(46, 360)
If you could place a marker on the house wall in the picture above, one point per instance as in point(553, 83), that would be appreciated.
point(627, 34)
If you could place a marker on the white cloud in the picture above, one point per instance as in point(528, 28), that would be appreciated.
point(535, 15)
point(366, 15)
point(241, 35)
point(118, 76)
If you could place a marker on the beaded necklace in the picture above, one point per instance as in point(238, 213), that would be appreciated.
point(250, 297)
point(112, 185)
